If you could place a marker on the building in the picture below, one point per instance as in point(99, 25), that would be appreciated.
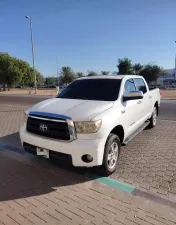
point(167, 78)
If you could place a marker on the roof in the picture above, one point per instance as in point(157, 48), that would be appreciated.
point(108, 77)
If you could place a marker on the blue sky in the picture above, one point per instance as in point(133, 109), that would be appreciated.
point(89, 34)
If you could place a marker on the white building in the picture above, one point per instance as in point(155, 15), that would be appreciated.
point(167, 78)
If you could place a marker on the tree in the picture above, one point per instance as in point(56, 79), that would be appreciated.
point(137, 68)
point(15, 71)
point(4, 65)
point(66, 75)
point(151, 72)
point(91, 73)
point(80, 74)
point(10, 71)
point(125, 66)
point(104, 72)
point(40, 79)
point(28, 77)
point(50, 81)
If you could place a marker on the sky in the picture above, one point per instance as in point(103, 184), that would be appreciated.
point(89, 34)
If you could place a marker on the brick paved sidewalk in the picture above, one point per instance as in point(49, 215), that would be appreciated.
point(35, 192)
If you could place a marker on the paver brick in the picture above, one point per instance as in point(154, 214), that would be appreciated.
point(110, 218)
point(173, 190)
point(121, 217)
point(6, 220)
point(141, 222)
point(131, 215)
point(153, 221)
point(127, 222)
point(141, 214)
point(164, 221)
point(41, 198)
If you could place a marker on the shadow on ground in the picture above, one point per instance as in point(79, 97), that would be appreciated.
point(32, 176)
point(12, 139)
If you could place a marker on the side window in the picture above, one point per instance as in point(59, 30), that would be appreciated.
point(129, 86)
point(140, 85)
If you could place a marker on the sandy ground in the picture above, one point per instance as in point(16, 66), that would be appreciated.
point(170, 94)
point(16, 91)
point(165, 94)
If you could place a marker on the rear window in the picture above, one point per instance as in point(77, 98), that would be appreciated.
point(92, 89)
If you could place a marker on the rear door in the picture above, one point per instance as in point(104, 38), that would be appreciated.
point(145, 104)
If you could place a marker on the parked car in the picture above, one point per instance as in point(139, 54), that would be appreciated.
point(90, 120)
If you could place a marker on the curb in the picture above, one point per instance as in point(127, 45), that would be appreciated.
point(168, 99)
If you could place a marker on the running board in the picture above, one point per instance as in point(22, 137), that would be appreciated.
point(136, 133)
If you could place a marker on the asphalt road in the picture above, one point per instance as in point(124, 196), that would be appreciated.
point(167, 110)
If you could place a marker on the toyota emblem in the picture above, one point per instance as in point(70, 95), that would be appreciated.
point(43, 127)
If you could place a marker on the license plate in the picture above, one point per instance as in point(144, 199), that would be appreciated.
point(43, 152)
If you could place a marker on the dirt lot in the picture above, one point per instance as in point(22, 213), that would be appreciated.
point(166, 94)
point(17, 91)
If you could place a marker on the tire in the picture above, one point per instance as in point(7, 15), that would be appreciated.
point(152, 123)
point(111, 151)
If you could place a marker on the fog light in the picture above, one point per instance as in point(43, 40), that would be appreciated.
point(87, 158)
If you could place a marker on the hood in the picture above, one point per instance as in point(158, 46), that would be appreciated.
point(78, 110)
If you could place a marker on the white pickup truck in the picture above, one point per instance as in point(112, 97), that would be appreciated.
point(90, 120)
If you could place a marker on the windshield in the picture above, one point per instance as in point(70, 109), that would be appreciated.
point(92, 89)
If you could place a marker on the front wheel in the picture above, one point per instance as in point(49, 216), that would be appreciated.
point(153, 118)
point(111, 155)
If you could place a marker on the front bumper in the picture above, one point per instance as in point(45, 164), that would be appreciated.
point(76, 149)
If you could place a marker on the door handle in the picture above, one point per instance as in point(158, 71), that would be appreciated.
point(139, 102)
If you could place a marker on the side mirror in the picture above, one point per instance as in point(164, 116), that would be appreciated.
point(133, 95)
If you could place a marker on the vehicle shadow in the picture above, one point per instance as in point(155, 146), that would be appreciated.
point(32, 177)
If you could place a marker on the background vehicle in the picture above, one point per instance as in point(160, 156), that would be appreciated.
point(90, 120)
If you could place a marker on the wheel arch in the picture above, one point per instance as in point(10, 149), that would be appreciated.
point(119, 131)
point(157, 107)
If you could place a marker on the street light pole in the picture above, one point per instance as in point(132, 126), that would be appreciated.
point(57, 71)
point(32, 43)
point(175, 69)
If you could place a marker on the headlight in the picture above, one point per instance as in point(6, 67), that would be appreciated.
point(25, 117)
point(88, 127)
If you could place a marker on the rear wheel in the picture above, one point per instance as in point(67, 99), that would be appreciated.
point(111, 155)
point(153, 118)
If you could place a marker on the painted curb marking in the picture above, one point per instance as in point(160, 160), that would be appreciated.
point(111, 182)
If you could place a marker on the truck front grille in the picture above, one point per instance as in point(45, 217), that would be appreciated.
point(48, 128)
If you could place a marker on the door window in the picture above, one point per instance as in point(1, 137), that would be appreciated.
point(129, 86)
point(140, 85)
